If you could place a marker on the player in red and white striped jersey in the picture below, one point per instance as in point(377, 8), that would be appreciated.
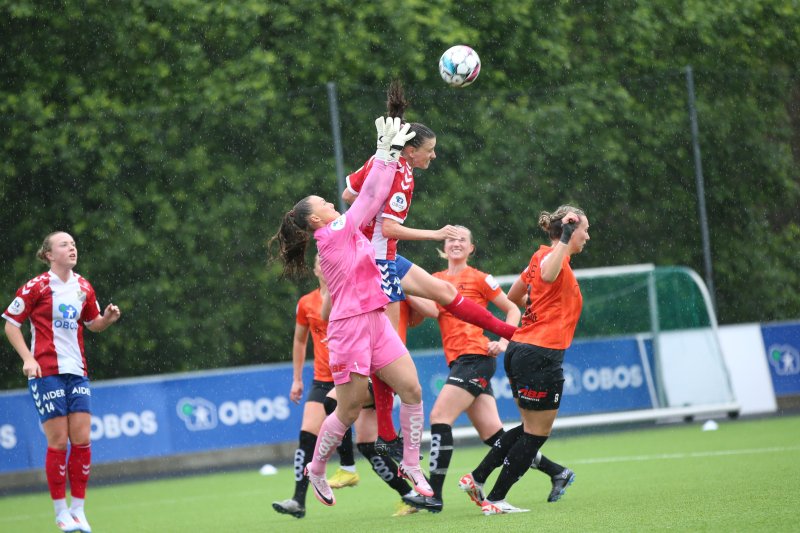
point(388, 227)
point(59, 304)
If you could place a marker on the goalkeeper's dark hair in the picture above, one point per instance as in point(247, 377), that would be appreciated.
point(292, 238)
point(396, 105)
point(551, 222)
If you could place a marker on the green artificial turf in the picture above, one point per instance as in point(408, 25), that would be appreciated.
point(743, 477)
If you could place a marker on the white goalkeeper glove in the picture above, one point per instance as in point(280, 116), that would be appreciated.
point(387, 129)
point(399, 140)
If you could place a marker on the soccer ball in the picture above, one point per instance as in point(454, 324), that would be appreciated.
point(459, 66)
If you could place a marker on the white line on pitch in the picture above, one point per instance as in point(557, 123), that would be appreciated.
point(690, 455)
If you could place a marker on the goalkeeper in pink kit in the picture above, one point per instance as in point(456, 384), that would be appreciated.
point(361, 340)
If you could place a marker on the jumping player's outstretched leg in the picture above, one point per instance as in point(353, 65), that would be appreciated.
point(418, 282)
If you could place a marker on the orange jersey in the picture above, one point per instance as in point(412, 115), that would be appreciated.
point(402, 325)
point(553, 308)
point(459, 337)
point(308, 315)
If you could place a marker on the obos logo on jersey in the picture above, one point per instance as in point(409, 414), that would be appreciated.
point(67, 311)
point(16, 307)
point(69, 314)
point(398, 202)
point(338, 224)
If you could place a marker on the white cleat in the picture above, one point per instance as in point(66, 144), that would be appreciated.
point(80, 519)
point(501, 507)
point(473, 489)
point(66, 523)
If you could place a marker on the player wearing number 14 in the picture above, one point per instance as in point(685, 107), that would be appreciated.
point(59, 304)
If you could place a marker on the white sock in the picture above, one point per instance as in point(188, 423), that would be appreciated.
point(77, 503)
point(351, 468)
point(60, 505)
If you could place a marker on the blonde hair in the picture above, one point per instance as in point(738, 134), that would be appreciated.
point(46, 247)
point(551, 222)
point(444, 255)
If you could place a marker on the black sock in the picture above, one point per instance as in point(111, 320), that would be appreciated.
point(441, 453)
point(384, 467)
point(345, 449)
point(491, 440)
point(517, 462)
point(547, 466)
point(302, 456)
point(497, 454)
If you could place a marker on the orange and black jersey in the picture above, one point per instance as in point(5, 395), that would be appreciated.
point(553, 308)
point(459, 337)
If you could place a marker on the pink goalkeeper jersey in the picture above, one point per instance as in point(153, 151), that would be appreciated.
point(346, 256)
point(58, 311)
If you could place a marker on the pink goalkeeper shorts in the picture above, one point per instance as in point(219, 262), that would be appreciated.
point(362, 344)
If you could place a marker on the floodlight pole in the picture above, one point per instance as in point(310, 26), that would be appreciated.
point(701, 195)
point(337, 143)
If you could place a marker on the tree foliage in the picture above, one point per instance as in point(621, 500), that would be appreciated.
point(169, 137)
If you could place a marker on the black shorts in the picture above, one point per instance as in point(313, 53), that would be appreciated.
point(319, 390)
point(473, 373)
point(535, 375)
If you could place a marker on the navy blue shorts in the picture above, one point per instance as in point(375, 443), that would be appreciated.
point(390, 283)
point(60, 395)
point(403, 265)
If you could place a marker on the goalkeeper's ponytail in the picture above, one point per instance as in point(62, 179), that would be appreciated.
point(292, 238)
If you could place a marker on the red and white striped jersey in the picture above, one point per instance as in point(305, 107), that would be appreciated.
point(396, 207)
point(57, 311)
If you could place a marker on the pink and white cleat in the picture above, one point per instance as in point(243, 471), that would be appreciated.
point(417, 478)
point(322, 490)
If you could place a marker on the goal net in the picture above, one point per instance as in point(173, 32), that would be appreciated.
point(646, 348)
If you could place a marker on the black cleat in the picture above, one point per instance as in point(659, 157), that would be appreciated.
point(560, 484)
point(392, 448)
point(423, 503)
point(415, 500)
point(290, 507)
point(433, 504)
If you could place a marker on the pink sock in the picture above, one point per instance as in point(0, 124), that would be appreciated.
point(330, 437)
point(412, 421)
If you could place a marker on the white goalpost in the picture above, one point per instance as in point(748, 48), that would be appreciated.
point(646, 349)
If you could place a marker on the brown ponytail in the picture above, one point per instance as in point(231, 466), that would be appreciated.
point(551, 222)
point(396, 105)
point(292, 238)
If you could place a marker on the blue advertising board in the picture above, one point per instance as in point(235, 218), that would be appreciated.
point(782, 346)
point(205, 411)
point(600, 376)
